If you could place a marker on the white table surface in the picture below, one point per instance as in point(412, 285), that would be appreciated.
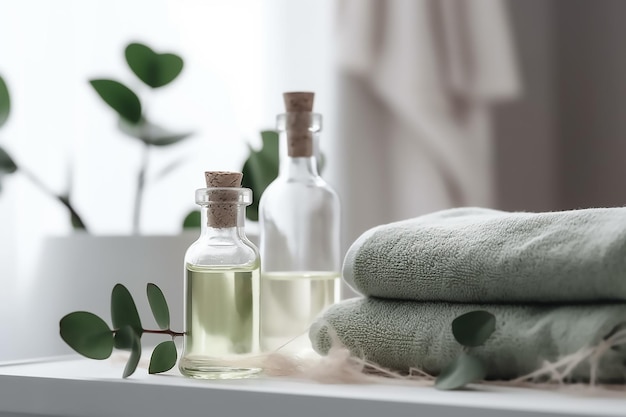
point(74, 386)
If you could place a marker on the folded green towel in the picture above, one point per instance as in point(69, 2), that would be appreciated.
point(482, 255)
point(404, 334)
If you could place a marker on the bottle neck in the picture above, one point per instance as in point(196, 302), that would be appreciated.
point(298, 167)
point(217, 229)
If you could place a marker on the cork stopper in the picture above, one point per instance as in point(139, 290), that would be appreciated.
point(299, 108)
point(223, 179)
point(222, 211)
point(298, 102)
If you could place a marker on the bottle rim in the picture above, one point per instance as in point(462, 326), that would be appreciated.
point(229, 195)
point(315, 120)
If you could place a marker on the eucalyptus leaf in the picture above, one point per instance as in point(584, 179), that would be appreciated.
point(193, 220)
point(163, 357)
point(5, 102)
point(462, 371)
point(151, 133)
point(154, 69)
point(473, 328)
point(158, 305)
point(124, 339)
point(119, 97)
point(75, 220)
point(130, 337)
point(87, 334)
point(124, 313)
point(7, 165)
point(260, 169)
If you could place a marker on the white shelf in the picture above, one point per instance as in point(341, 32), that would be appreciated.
point(73, 386)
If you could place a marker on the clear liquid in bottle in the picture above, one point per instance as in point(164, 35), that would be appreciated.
point(222, 318)
point(291, 302)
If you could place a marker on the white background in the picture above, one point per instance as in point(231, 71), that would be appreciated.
point(239, 57)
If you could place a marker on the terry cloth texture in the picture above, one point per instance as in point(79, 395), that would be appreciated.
point(555, 282)
point(489, 256)
point(404, 334)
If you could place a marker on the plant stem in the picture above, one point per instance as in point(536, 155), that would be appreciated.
point(167, 331)
point(141, 182)
point(78, 221)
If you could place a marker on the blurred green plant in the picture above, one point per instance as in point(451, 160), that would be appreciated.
point(155, 70)
point(8, 165)
point(92, 337)
point(470, 330)
point(259, 170)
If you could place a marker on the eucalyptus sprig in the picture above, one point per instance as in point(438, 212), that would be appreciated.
point(470, 330)
point(92, 337)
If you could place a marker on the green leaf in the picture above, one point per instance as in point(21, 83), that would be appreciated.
point(120, 98)
point(87, 334)
point(7, 165)
point(5, 102)
point(151, 133)
point(124, 339)
point(154, 69)
point(260, 169)
point(462, 371)
point(192, 220)
point(159, 307)
point(473, 328)
point(124, 313)
point(130, 337)
point(163, 357)
point(77, 222)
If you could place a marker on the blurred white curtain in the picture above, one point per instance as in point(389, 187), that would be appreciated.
point(416, 82)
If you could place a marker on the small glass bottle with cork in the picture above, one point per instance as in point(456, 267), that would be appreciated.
point(299, 219)
point(221, 285)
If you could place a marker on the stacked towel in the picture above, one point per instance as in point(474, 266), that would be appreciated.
point(554, 281)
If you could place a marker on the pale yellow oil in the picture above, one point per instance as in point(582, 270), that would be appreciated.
point(221, 321)
point(290, 302)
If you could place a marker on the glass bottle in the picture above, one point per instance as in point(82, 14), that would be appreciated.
point(300, 231)
point(221, 285)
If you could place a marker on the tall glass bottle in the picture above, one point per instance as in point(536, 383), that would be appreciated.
point(221, 285)
point(300, 231)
